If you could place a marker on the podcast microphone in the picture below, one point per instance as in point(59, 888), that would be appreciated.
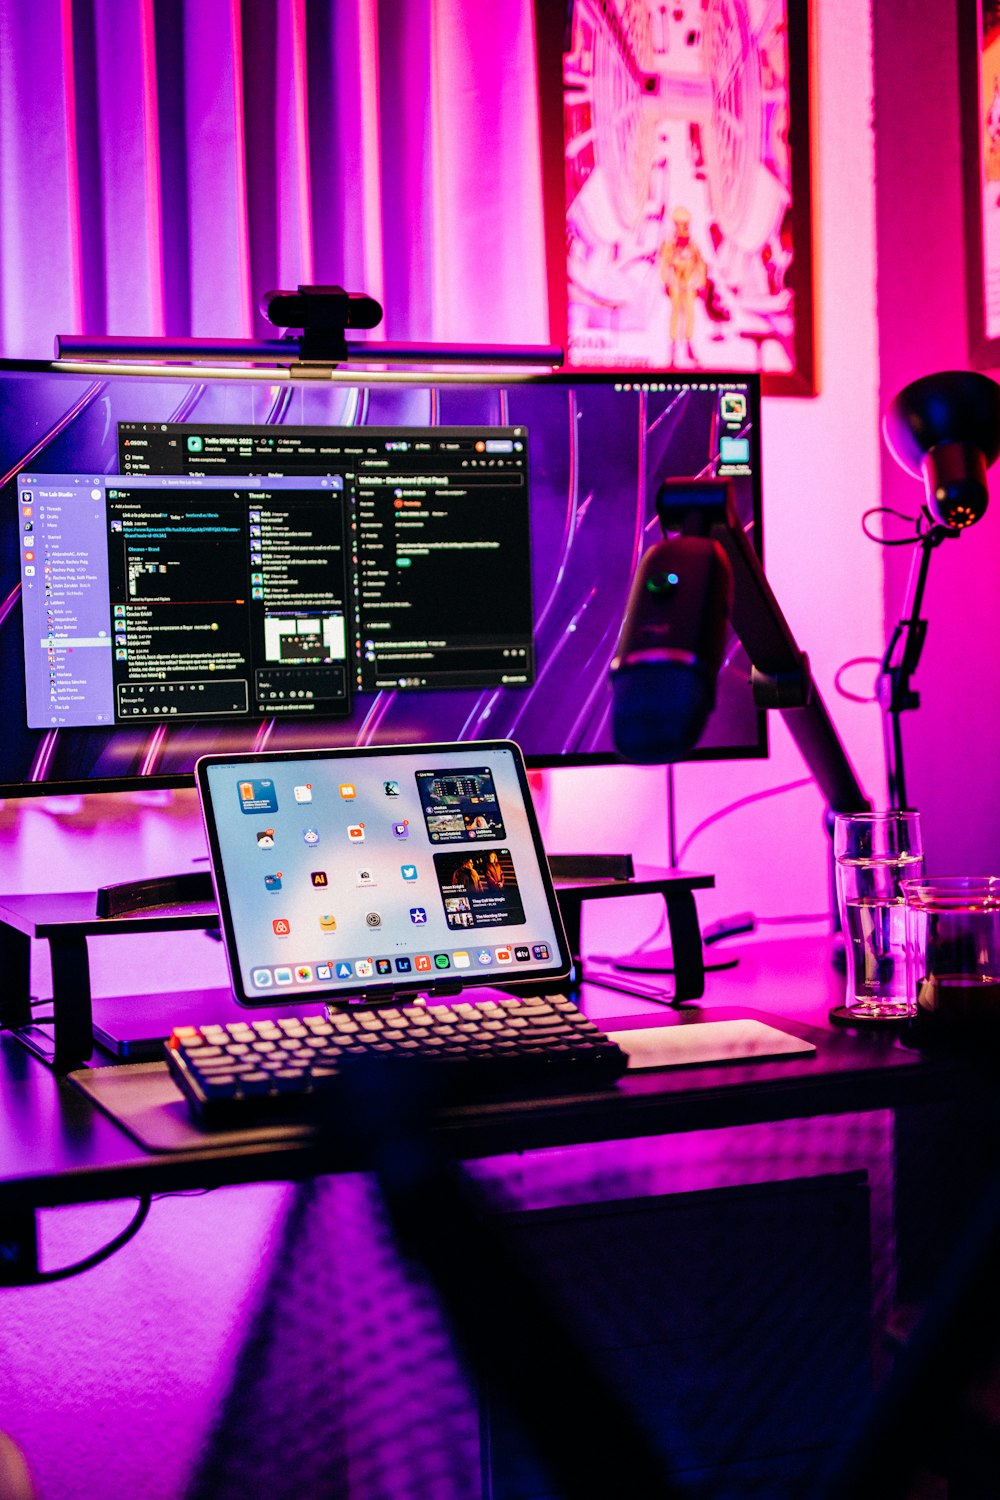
point(667, 659)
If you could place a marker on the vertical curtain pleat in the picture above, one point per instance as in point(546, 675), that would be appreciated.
point(404, 60)
point(487, 187)
point(345, 144)
point(165, 162)
point(128, 133)
point(294, 197)
point(40, 275)
point(213, 94)
point(173, 136)
point(258, 48)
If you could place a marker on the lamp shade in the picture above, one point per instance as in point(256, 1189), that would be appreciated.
point(945, 429)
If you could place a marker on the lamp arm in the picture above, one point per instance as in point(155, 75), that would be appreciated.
point(894, 692)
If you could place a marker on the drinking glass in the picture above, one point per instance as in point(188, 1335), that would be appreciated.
point(875, 853)
point(954, 934)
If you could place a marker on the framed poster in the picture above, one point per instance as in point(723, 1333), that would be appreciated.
point(676, 158)
point(979, 62)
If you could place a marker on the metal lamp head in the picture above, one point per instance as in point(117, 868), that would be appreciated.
point(945, 430)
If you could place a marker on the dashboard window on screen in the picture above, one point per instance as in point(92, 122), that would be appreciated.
point(205, 562)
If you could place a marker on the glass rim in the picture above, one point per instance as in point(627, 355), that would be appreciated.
point(892, 815)
point(944, 891)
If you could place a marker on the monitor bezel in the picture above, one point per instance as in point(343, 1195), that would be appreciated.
point(417, 373)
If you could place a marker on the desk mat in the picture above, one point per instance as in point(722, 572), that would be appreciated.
point(144, 1100)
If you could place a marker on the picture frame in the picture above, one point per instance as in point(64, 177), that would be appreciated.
point(979, 73)
point(677, 181)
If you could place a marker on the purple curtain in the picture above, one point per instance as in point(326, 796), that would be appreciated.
point(165, 162)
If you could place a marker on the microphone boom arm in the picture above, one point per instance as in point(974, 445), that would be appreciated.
point(781, 674)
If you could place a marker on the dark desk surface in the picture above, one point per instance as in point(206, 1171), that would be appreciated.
point(57, 1147)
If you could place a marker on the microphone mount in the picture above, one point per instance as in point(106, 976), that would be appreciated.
point(781, 676)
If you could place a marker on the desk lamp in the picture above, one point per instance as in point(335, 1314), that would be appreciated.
point(945, 430)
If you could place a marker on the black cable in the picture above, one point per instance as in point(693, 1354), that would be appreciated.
point(898, 541)
point(731, 807)
point(89, 1261)
point(856, 661)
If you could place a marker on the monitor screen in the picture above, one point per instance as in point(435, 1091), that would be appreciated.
point(201, 561)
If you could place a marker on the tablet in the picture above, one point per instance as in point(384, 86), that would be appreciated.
point(365, 874)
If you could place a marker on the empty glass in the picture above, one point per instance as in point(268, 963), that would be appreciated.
point(875, 853)
point(954, 934)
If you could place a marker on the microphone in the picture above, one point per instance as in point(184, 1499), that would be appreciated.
point(666, 662)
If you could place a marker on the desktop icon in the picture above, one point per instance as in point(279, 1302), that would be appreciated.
point(282, 976)
point(401, 830)
point(364, 968)
point(541, 951)
point(347, 790)
point(311, 835)
point(442, 961)
point(373, 919)
point(258, 797)
point(503, 955)
point(328, 922)
point(265, 838)
point(356, 833)
point(281, 926)
point(344, 971)
point(273, 882)
point(319, 879)
point(365, 878)
point(484, 957)
point(303, 793)
point(403, 966)
point(324, 971)
point(461, 959)
point(522, 955)
point(391, 788)
point(263, 978)
point(408, 872)
point(418, 916)
point(383, 966)
point(304, 974)
point(422, 962)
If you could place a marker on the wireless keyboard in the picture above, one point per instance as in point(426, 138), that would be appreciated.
point(248, 1070)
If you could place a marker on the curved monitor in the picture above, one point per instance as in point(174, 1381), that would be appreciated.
point(226, 561)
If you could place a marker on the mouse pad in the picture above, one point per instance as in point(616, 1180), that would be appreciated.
point(707, 1042)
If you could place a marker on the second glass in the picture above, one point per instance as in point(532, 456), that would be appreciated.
point(875, 852)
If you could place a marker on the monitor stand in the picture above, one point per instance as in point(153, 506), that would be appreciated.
point(135, 1027)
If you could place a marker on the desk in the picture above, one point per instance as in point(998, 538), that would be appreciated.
point(56, 1147)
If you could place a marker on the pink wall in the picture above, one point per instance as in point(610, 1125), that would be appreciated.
point(822, 468)
point(953, 772)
